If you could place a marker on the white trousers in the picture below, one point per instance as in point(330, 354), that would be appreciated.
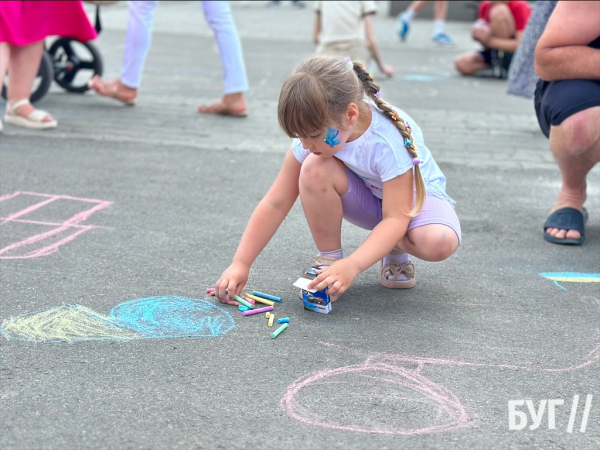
point(219, 18)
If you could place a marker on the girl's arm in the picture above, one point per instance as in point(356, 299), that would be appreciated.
point(374, 48)
point(397, 202)
point(263, 224)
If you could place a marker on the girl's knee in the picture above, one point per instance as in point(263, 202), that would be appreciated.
point(315, 171)
point(434, 242)
point(500, 11)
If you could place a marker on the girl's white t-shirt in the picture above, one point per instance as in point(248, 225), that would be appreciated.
point(379, 155)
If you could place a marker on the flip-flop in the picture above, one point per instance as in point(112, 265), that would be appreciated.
point(219, 108)
point(566, 219)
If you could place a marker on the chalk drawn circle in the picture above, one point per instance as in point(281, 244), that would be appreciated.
point(376, 398)
point(171, 316)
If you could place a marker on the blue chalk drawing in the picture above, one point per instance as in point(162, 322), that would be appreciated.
point(145, 318)
point(571, 277)
point(330, 137)
point(162, 317)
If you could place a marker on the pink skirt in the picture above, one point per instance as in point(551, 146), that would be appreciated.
point(26, 22)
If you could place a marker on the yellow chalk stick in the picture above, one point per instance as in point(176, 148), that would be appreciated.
point(267, 314)
point(271, 319)
point(264, 301)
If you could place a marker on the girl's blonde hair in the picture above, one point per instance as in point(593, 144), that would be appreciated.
point(317, 95)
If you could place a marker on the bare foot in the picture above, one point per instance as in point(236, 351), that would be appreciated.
point(228, 105)
point(567, 200)
point(114, 89)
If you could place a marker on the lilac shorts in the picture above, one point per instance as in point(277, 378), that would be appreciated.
point(364, 210)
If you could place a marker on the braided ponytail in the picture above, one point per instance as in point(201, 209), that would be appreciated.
point(372, 90)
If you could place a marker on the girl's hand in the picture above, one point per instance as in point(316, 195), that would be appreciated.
point(232, 282)
point(338, 276)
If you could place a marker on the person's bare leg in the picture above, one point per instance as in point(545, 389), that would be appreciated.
point(4, 56)
point(575, 144)
point(23, 66)
point(418, 5)
point(233, 104)
point(502, 22)
point(114, 89)
point(470, 63)
point(323, 181)
point(440, 10)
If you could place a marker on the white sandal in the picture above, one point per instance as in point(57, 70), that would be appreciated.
point(33, 120)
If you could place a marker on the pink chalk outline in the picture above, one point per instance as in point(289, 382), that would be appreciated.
point(71, 225)
point(409, 378)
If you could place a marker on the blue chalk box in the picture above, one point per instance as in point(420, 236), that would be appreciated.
point(317, 301)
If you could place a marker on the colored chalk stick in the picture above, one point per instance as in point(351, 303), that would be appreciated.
point(208, 290)
point(264, 301)
point(283, 320)
point(267, 314)
point(270, 297)
point(249, 300)
point(243, 308)
point(271, 319)
point(258, 311)
point(243, 302)
point(275, 333)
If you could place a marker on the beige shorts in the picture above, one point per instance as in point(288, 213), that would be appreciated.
point(355, 50)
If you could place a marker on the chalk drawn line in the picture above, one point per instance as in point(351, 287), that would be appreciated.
point(409, 378)
point(71, 227)
point(144, 318)
point(571, 277)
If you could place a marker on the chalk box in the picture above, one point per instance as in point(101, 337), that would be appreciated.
point(317, 301)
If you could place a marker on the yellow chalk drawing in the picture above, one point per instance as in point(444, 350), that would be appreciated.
point(65, 323)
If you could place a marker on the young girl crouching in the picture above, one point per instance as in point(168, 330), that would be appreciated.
point(353, 157)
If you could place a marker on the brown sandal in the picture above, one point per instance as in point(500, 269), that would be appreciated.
point(390, 274)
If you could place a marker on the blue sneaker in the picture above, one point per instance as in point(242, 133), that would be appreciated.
point(442, 39)
point(403, 29)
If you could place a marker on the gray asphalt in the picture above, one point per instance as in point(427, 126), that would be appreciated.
point(432, 367)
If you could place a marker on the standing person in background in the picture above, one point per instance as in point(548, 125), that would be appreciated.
point(345, 28)
point(439, 21)
point(567, 103)
point(137, 43)
point(499, 29)
point(23, 27)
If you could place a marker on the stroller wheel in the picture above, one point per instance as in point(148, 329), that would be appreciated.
point(42, 81)
point(75, 63)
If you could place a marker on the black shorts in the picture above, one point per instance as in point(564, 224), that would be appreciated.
point(557, 100)
point(504, 58)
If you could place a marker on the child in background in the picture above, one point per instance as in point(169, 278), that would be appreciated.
point(341, 29)
point(499, 28)
point(353, 157)
point(440, 12)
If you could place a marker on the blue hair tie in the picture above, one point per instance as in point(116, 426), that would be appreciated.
point(407, 142)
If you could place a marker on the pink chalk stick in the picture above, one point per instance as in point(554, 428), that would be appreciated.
point(257, 311)
point(209, 290)
point(249, 300)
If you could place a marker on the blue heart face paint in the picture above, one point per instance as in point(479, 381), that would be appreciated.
point(330, 137)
